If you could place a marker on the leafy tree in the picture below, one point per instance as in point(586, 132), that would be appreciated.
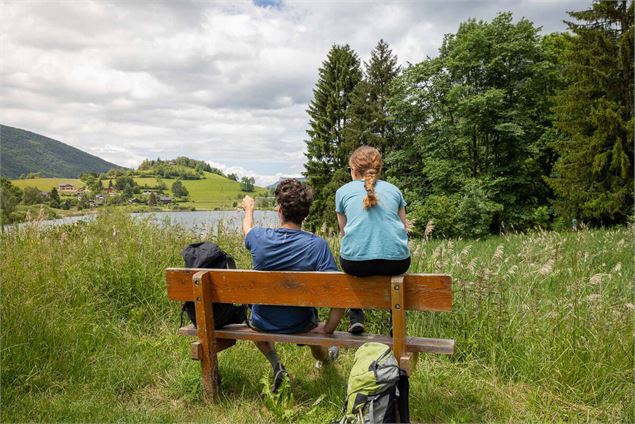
point(368, 115)
point(32, 196)
point(338, 76)
point(233, 177)
point(88, 176)
point(93, 182)
point(247, 184)
point(124, 182)
point(593, 178)
point(10, 196)
point(179, 190)
point(475, 114)
point(83, 203)
point(54, 198)
point(152, 199)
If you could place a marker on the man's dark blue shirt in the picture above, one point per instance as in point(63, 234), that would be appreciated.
point(284, 249)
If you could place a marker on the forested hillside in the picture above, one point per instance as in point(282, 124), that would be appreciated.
point(505, 129)
point(23, 152)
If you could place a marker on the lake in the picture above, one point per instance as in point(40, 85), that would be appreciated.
point(190, 220)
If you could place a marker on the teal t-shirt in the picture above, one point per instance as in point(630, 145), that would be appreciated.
point(374, 233)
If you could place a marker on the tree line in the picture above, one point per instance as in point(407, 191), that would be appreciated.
point(505, 129)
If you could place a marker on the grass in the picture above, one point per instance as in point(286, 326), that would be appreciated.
point(213, 192)
point(46, 184)
point(542, 322)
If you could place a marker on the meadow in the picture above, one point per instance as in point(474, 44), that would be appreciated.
point(212, 192)
point(543, 324)
point(46, 184)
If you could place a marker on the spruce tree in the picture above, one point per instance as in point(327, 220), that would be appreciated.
point(326, 159)
point(593, 177)
point(369, 121)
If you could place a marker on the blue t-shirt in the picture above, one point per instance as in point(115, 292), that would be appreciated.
point(283, 249)
point(374, 233)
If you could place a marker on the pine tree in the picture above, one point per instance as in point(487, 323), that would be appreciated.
point(326, 160)
point(594, 175)
point(369, 121)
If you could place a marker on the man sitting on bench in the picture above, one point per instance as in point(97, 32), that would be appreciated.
point(288, 248)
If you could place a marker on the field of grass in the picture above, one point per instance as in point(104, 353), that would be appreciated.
point(213, 192)
point(46, 184)
point(543, 324)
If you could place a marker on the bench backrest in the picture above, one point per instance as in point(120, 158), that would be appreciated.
point(423, 292)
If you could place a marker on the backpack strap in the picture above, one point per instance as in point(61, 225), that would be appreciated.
point(230, 263)
point(403, 404)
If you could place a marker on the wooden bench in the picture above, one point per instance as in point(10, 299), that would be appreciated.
point(416, 292)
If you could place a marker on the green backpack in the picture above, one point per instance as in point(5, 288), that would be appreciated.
point(373, 395)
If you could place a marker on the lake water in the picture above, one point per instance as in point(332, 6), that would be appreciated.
point(191, 220)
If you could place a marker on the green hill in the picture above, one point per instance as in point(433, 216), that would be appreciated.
point(22, 152)
point(211, 192)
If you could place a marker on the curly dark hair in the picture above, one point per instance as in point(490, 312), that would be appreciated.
point(294, 199)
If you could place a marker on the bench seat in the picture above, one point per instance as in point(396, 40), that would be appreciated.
point(338, 338)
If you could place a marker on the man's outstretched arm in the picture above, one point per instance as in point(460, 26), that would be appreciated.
point(248, 206)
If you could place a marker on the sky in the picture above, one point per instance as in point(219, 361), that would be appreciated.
point(227, 82)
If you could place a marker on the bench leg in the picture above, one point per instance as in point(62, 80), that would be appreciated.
point(398, 317)
point(208, 349)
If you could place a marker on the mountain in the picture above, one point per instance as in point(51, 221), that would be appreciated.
point(273, 186)
point(23, 151)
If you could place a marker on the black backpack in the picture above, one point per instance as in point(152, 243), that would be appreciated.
point(209, 255)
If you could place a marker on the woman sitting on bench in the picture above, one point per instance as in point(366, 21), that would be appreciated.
point(371, 214)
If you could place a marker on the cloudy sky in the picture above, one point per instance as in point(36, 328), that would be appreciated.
point(223, 81)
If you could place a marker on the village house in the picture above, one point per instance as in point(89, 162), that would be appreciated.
point(110, 191)
point(66, 188)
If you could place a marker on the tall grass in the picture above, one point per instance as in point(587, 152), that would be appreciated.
point(542, 322)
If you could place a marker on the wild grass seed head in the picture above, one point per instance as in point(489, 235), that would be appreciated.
point(429, 228)
point(498, 254)
point(547, 268)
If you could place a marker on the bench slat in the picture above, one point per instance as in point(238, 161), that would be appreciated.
point(423, 292)
point(339, 338)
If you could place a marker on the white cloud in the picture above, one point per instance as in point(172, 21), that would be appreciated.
point(226, 82)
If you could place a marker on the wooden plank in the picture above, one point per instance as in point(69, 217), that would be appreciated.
point(423, 292)
point(339, 338)
point(205, 330)
point(408, 362)
point(398, 317)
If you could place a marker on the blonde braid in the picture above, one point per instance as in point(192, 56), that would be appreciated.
point(366, 161)
point(370, 179)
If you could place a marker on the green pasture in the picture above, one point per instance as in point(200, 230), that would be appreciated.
point(542, 323)
point(46, 184)
point(213, 192)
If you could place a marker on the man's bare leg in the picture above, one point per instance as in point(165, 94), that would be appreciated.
point(279, 372)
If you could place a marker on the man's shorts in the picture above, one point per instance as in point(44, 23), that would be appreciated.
point(314, 323)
